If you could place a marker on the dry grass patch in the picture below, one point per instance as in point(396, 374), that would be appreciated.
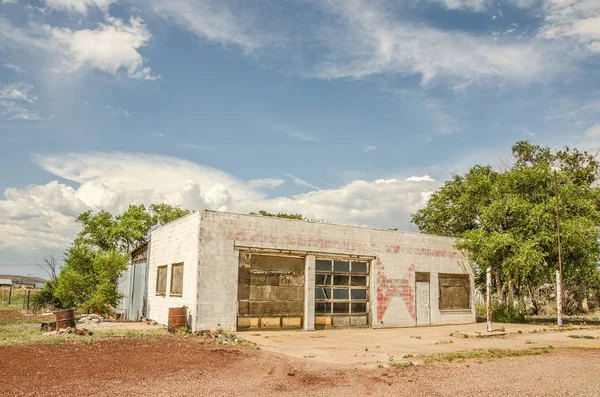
point(448, 357)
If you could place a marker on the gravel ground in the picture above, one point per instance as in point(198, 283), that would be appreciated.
point(173, 366)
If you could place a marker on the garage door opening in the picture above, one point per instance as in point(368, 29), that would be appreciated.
point(270, 292)
point(341, 293)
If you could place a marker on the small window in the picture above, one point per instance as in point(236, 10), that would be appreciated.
point(339, 266)
point(358, 281)
point(322, 293)
point(340, 294)
point(176, 280)
point(358, 294)
point(341, 280)
point(323, 265)
point(359, 267)
point(161, 280)
point(323, 279)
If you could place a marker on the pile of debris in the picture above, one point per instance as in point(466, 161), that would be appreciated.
point(221, 336)
point(76, 331)
point(70, 331)
point(90, 319)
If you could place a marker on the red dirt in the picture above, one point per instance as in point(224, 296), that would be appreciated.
point(168, 366)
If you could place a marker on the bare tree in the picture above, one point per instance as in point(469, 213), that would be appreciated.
point(51, 266)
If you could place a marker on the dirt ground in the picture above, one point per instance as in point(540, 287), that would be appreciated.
point(173, 366)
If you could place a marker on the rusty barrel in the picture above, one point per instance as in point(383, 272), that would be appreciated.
point(65, 318)
point(177, 318)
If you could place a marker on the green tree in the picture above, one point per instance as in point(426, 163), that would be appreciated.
point(100, 253)
point(506, 219)
point(89, 278)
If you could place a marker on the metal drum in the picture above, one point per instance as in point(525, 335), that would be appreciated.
point(65, 319)
point(177, 318)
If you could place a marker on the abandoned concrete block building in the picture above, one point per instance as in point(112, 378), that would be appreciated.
point(243, 272)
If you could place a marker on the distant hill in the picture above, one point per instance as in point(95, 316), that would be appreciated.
point(23, 279)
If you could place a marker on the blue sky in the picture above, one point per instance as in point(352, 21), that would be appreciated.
point(348, 111)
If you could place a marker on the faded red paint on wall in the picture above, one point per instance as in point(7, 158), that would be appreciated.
point(388, 288)
point(288, 241)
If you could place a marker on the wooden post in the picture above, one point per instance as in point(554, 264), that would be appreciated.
point(488, 286)
point(9, 294)
point(28, 295)
point(559, 272)
point(559, 298)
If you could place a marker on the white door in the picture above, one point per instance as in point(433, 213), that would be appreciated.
point(423, 308)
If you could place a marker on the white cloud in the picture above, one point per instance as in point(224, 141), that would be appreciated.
point(12, 66)
point(215, 21)
point(473, 5)
point(365, 40)
point(12, 110)
point(593, 131)
point(481, 5)
point(43, 216)
point(424, 178)
point(16, 102)
point(79, 6)
point(110, 47)
point(266, 183)
point(578, 19)
point(17, 92)
point(300, 182)
point(369, 148)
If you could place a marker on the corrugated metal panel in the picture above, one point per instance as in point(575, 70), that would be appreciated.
point(138, 291)
point(124, 288)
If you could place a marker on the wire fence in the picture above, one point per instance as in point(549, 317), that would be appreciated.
point(22, 299)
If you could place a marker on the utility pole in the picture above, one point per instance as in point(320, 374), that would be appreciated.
point(488, 288)
point(559, 272)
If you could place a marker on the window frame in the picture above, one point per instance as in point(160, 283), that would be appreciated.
point(158, 269)
point(176, 295)
point(329, 277)
point(461, 276)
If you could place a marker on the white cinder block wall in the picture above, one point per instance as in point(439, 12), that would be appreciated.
point(397, 256)
point(175, 242)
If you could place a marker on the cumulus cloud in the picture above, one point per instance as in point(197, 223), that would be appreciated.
point(578, 19)
point(369, 148)
point(43, 216)
point(110, 47)
point(79, 6)
point(365, 40)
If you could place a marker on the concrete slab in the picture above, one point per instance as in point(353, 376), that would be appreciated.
point(373, 347)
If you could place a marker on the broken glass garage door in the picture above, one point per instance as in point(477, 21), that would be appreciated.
point(341, 293)
point(270, 291)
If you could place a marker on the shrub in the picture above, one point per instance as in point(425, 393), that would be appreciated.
point(503, 313)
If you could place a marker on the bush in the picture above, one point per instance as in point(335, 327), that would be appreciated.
point(46, 299)
point(503, 313)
